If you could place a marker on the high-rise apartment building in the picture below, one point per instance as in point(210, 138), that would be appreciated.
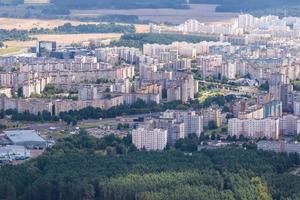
point(254, 128)
point(175, 129)
point(149, 139)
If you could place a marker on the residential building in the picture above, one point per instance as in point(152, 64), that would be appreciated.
point(255, 128)
point(150, 139)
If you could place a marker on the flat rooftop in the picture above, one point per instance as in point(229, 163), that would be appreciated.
point(17, 136)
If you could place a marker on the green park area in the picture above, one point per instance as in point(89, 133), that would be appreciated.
point(203, 95)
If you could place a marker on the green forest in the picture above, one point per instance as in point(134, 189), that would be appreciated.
point(224, 5)
point(140, 107)
point(84, 4)
point(247, 5)
point(82, 167)
point(67, 28)
point(14, 34)
point(137, 40)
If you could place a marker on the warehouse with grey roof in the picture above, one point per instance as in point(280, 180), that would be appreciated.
point(26, 138)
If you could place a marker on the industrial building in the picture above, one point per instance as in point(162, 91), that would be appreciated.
point(27, 138)
point(14, 152)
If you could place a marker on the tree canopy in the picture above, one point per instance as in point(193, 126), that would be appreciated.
point(82, 167)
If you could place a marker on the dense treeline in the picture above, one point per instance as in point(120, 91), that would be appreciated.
point(82, 167)
point(68, 28)
point(55, 11)
point(247, 5)
point(138, 39)
point(224, 5)
point(44, 116)
point(140, 107)
point(11, 2)
point(72, 117)
point(6, 35)
point(114, 18)
point(95, 28)
point(14, 34)
point(85, 4)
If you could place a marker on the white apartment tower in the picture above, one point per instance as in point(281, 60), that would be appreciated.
point(254, 128)
point(245, 21)
point(149, 139)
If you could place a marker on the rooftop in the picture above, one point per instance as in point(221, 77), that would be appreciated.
point(17, 136)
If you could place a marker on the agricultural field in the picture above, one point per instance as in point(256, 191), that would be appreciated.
point(27, 24)
point(203, 13)
point(62, 39)
point(10, 50)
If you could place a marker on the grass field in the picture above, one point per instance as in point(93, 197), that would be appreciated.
point(205, 94)
point(56, 135)
point(10, 50)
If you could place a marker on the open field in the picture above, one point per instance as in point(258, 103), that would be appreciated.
point(62, 39)
point(203, 12)
point(27, 24)
point(65, 39)
point(20, 44)
point(10, 50)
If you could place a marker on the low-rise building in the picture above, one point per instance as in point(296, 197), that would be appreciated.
point(26, 138)
point(14, 152)
point(279, 146)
